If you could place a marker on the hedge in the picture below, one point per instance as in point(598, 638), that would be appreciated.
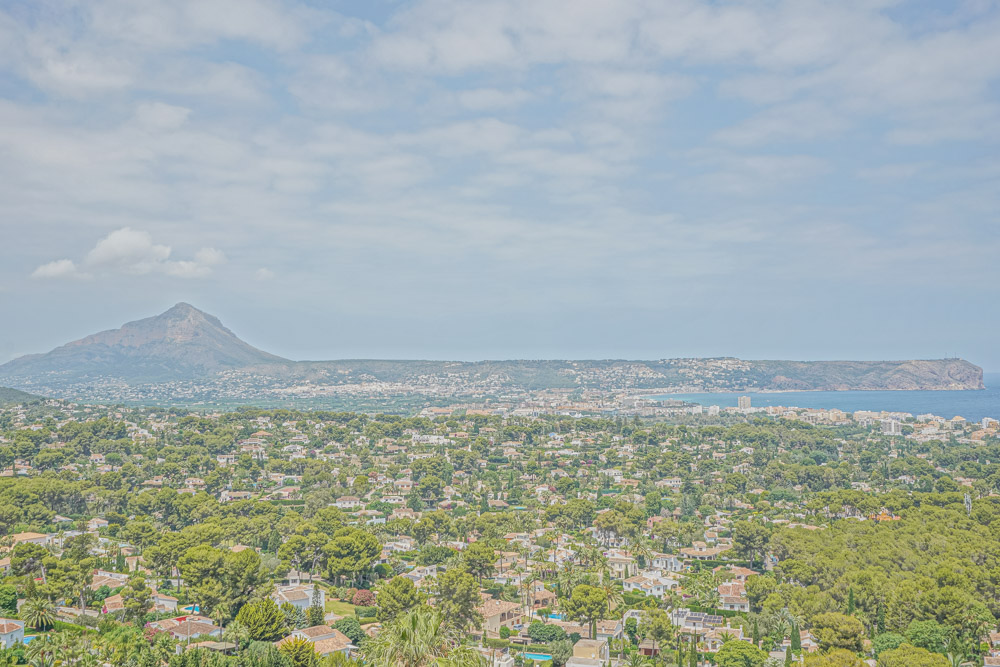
point(725, 613)
point(63, 625)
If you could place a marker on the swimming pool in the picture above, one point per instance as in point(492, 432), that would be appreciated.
point(558, 617)
point(27, 639)
point(540, 657)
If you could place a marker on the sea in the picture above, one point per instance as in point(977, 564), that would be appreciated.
point(972, 405)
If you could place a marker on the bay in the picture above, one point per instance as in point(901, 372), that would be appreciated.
point(972, 405)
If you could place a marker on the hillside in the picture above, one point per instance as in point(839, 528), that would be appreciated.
point(186, 354)
point(181, 343)
point(10, 396)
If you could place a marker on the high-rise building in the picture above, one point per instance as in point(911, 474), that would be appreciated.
point(743, 402)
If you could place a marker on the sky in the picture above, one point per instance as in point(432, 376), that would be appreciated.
point(507, 178)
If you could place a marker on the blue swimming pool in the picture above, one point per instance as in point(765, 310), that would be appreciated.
point(558, 617)
point(540, 657)
point(28, 638)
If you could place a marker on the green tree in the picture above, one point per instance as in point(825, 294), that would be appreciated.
point(352, 628)
point(737, 653)
point(39, 613)
point(8, 600)
point(561, 652)
point(657, 626)
point(835, 658)
point(420, 638)
point(835, 630)
point(750, 540)
point(479, 558)
point(911, 656)
point(886, 642)
point(263, 620)
point(396, 596)
point(587, 604)
point(137, 597)
point(351, 552)
point(458, 598)
point(203, 570)
point(930, 635)
point(301, 652)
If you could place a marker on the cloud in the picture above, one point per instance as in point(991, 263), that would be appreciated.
point(483, 99)
point(264, 274)
point(60, 268)
point(132, 252)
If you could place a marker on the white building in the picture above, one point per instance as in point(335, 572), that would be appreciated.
point(11, 632)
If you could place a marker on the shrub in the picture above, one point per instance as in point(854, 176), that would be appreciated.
point(361, 612)
point(544, 632)
point(363, 598)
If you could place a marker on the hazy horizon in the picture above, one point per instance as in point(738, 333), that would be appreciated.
point(505, 179)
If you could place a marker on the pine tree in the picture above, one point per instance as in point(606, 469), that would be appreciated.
point(273, 542)
point(796, 640)
point(880, 619)
point(850, 601)
point(694, 653)
point(788, 656)
point(263, 620)
point(755, 634)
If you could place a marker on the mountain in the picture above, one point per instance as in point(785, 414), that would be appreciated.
point(182, 343)
point(185, 355)
point(10, 396)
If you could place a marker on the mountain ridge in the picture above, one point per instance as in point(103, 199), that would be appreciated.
point(186, 345)
point(177, 343)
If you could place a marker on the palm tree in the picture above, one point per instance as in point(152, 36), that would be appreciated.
point(39, 613)
point(637, 660)
point(643, 550)
point(41, 652)
point(611, 592)
point(420, 638)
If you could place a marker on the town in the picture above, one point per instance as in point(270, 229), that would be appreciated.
point(545, 534)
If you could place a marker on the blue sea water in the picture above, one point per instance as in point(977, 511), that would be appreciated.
point(973, 405)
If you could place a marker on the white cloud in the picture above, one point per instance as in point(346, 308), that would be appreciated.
point(132, 252)
point(129, 251)
point(483, 99)
point(264, 274)
point(160, 116)
point(60, 268)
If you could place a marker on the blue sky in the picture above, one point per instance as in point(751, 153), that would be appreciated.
point(507, 178)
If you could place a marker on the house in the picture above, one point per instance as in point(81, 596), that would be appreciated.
point(300, 597)
point(348, 502)
point(650, 582)
point(232, 496)
point(693, 621)
point(421, 575)
point(163, 602)
point(610, 629)
point(188, 627)
point(622, 565)
point(497, 613)
point(702, 551)
point(589, 653)
point(11, 632)
point(30, 538)
point(668, 562)
point(539, 596)
point(325, 640)
point(648, 647)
